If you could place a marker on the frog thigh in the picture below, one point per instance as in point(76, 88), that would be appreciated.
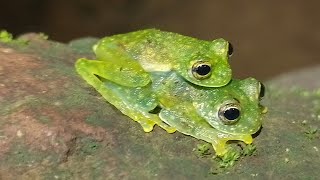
point(128, 74)
point(109, 94)
point(119, 96)
point(194, 126)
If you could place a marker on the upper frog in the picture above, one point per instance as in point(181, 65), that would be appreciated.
point(133, 56)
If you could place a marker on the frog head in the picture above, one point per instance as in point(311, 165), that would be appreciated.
point(235, 108)
point(209, 66)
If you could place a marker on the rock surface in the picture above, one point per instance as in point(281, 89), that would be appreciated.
point(55, 126)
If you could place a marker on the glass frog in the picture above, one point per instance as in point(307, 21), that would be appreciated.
point(128, 59)
point(215, 115)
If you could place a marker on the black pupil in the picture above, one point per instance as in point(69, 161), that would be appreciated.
point(203, 69)
point(231, 113)
point(230, 49)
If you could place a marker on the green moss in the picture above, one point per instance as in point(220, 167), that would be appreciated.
point(311, 132)
point(203, 150)
point(249, 150)
point(5, 36)
point(229, 159)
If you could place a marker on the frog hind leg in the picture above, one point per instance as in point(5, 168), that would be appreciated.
point(193, 125)
point(133, 102)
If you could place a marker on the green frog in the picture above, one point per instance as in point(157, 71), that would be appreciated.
point(128, 59)
point(157, 77)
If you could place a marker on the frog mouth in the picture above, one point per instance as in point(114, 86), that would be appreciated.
point(246, 138)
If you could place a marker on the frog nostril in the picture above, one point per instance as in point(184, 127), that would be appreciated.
point(262, 90)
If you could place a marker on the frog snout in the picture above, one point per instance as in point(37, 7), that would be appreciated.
point(262, 91)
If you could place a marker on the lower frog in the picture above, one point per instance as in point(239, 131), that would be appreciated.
point(215, 115)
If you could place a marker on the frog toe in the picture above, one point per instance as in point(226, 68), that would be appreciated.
point(169, 129)
point(247, 139)
point(220, 148)
point(147, 126)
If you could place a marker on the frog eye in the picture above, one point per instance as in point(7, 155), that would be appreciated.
point(230, 49)
point(262, 91)
point(230, 113)
point(201, 70)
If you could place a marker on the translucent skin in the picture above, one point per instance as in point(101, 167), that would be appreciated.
point(147, 76)
point(194, 110)
point(184, 106)
point(128, 59)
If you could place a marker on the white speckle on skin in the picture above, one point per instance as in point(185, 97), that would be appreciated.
point(287, 149)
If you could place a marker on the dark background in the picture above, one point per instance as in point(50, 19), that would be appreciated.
point(269, 37)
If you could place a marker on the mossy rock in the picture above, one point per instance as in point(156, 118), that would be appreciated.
point(55, 126)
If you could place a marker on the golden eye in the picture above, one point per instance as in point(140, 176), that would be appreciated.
point(230, 113)
point(201, 70)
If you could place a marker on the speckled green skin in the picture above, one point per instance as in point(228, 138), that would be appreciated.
point(134, 55)
point(188, 108)
point(143, 71)
point(193, 110)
